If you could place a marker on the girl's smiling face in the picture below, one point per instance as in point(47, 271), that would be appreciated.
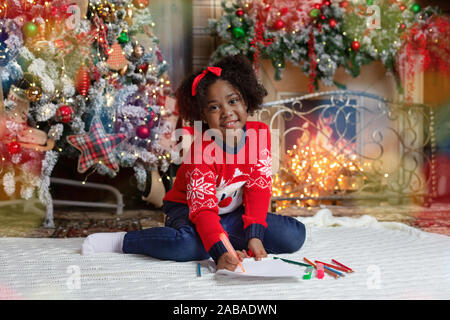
point(226, 109)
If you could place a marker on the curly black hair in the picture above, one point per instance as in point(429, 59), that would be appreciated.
point(237, 70)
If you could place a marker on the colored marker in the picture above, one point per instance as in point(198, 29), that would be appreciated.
point(230, 249)
point(320, 271)
point(308, 272)
point(332, 270)
point(310, 262)
point(327, 271)
point(199, 270)
point(340, 264)
point(332, 266)
point(293, 262)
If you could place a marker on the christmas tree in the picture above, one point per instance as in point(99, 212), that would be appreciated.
point(83, 79)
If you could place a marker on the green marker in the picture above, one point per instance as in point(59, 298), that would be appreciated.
point(294, 262)
point(308, 272)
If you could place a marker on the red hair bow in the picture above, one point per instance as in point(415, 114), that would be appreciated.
point(217, 71)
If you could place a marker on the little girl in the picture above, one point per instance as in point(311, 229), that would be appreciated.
point(224, 183)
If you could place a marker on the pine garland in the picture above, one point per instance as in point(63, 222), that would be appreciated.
point(333, 34)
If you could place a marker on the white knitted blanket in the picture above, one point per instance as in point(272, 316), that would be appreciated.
point(391, 261)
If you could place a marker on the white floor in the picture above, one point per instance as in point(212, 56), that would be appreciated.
point(391, 261)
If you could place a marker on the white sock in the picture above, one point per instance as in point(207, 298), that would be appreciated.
point(103, 242)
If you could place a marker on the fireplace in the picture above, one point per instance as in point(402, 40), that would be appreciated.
point(345, 147)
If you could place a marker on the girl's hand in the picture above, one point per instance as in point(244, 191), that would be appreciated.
point(229, 262)
point(257, 247)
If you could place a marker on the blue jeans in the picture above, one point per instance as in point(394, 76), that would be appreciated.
point(179, 241)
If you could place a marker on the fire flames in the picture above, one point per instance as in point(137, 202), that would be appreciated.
point(317, 167)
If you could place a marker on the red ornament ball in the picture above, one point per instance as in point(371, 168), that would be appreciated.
point(141, 4)
point(317, 6)
point(239, 12)
point(327, 3)
point(143, 132)
point(343, 4)
point(332, 23)
point(143, 68)
point(65, 113)
point(278, 25)
point(356, 45)
point(283, 11)
point(13, 147)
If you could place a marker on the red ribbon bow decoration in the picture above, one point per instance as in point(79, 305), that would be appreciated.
point(215, 70)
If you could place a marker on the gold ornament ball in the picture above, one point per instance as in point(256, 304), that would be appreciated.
point(141, 4)
point(34, 93)
point(106, 11)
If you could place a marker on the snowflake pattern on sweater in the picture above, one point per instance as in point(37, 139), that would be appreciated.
point(264, 166)
point(197, 187)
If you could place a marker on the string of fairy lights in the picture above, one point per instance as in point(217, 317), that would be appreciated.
point(316, 170)
point(105, 10)
point(38, 33)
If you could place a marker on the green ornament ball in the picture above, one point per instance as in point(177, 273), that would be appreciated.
point(238, 32)
point(314, 13)
point(123, 38)
point(415, 7)
point(369, 2)
point(30, 29)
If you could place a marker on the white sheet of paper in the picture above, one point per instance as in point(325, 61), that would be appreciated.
point(266, 268)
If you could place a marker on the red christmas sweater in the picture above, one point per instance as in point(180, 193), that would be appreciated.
point(217, 180)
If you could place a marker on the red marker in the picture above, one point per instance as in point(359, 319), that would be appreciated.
point(333, 266)
point(340, 264)
point(230, 249)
